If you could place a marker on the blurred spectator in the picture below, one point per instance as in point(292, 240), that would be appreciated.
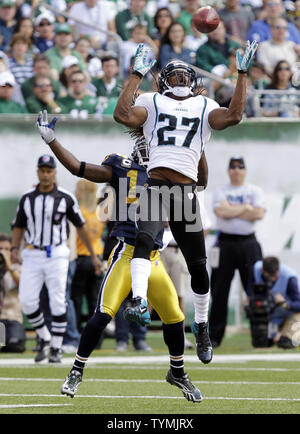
point(163, 18)
point(278, 47)
point(25, 27)
point(172, 46)
point(224, 92)
point(94, 12)
point(7, 84)
point(237, 206)
point(260, 30)
point(282, 282)
point(257, 79)
point(214, 55)
point(92, 63)
point(69, 65)
point(3, 62)
point(108, 85)
point(41, 67)
point(44, 25)
point(43, 96)
point(294, 14)
point(10, 309)
point(255, 5)
point(185, 16)
point(85, 281)
point(7, 22)
point(128, 18)
point(194, 40)
point(280, 105)
point(20, 63)
point(175, 265)
point(71, 337)
point(237, 20)
point(129, 47)
point(78, 103)
point(61, 49)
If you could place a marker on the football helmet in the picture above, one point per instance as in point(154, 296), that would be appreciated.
point(181, 70)
point(140, 153)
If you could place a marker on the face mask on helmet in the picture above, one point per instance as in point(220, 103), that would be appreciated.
point(140, 152)
point(177, 78)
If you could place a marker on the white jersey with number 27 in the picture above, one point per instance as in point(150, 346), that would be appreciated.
point(176, 131)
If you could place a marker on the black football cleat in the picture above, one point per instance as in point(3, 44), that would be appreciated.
point(71, 384)
point(55, 355)
point(190, 392)
point(42, 351)
point(204, 346)
point(138, 311)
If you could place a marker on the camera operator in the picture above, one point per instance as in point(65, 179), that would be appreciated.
point(10, 309)
point(284, 305)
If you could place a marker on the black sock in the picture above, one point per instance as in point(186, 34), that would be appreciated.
point(174, 339)
point(89, 339)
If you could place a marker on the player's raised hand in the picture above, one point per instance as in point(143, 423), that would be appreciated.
point(243, 60)
point(45, 128)
point(140, 64)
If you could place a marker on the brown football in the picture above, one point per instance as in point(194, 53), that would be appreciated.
point(206, 19)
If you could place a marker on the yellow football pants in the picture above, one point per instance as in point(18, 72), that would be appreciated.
point(117, 285)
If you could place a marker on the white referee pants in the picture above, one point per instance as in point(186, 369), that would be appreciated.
point(36, 270)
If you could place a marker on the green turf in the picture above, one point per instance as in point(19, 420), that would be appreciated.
point(254, 387)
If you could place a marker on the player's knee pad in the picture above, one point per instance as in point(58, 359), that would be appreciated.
point(143, 246)
point(199, 276)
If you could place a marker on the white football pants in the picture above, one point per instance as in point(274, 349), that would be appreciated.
point(36, 270)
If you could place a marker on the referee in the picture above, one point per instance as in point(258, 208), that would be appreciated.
point(42, 219)
point(237, 206)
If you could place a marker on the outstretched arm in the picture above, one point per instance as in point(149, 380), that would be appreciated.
point(92, 172)
point(221, 118)
point(125, 113)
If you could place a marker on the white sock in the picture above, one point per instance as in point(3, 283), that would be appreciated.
point(43, 333)
point(56, 341)
point(201, 304)
point(140, 273)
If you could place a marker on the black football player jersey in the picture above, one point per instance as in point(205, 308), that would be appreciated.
point(127, 180)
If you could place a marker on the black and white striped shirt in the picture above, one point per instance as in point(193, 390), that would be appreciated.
point(45, 216)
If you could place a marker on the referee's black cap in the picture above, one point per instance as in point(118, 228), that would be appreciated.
point(234, 160)
point(46, 161)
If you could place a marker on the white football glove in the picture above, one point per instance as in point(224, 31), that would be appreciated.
point(140, 66)
point(46, 129)
point(243, 61)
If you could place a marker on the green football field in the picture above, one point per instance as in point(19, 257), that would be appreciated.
point(240, 380)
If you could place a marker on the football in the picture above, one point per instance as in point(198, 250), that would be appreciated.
point(206, 19)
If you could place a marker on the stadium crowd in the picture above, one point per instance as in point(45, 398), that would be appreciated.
point(57, 58)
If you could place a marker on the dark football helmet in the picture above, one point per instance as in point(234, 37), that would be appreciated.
point(174, 67)
point(140, 153)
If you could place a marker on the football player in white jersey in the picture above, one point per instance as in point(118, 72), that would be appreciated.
point(177, 124)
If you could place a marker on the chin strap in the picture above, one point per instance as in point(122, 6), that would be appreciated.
point(176, 90)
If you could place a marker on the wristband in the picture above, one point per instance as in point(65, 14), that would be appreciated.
point(240, 71)
point(81, 169)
